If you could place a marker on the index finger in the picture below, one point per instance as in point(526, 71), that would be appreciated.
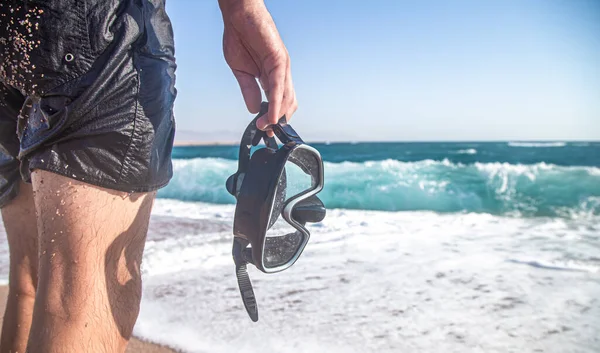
point(275, 97)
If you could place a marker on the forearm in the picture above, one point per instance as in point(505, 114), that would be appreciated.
point(253, 23)
point(254, 51)
point(232, 7)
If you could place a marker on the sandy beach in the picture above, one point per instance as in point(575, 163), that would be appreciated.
point(135, 345)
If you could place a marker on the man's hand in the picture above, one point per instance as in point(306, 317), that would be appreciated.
point(253, 49)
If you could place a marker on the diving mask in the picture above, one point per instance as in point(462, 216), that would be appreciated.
point(276, 189)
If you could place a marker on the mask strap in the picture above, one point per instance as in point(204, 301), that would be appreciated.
point(244, 284)
point(252, 137)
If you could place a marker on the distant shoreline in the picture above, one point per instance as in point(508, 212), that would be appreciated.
point(204, 143)
point(236, 143)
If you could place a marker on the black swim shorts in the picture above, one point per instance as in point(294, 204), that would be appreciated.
point(86, 91)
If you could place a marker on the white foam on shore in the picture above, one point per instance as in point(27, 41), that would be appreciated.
point(378, 282)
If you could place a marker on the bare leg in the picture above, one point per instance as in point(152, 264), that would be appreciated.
point(20, 223)
point(91, 243)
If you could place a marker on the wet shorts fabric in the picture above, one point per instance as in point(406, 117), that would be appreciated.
point(86, 91)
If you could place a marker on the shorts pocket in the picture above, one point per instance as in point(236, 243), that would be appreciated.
point(40, 120)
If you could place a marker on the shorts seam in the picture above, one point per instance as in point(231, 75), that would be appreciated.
point(129, 149)
point(87, 29)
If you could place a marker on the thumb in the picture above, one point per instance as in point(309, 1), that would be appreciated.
point(250, 90)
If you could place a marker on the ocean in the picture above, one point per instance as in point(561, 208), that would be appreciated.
point(426, 247)
point(511, 179)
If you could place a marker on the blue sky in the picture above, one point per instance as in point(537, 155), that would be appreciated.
point(407, 70)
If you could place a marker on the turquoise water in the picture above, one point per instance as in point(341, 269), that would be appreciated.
point(524, 179)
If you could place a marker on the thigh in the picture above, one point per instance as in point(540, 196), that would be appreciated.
point(91, 245)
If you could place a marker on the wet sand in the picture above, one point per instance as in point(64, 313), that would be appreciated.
point(135, 345)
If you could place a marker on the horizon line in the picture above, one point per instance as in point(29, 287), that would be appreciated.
point(236, 143)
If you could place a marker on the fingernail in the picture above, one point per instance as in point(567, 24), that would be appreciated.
point(260, 124)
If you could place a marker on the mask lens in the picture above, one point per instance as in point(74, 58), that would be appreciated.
point(306, 171)
point(282, 240)
point(280, 249)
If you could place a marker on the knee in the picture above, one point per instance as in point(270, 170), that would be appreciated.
point(23, 277)
point(22, 290)
point(70, 289)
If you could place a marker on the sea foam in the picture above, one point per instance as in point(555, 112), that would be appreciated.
point(539, 189)
point(372, 281)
